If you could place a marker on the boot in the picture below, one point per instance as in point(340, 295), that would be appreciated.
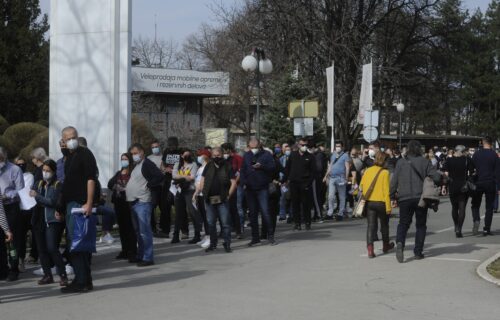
point(175, 238)
point(46, 280)
point(371, 253)
point(388, 246)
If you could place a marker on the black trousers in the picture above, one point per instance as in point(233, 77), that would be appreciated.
point(488, 190)
point(126, 230)
point(48, 239)
point(274, 209)
point(25, 225)
point(200, 203)
point(319, 197)
point(183, 208)
point(301, 202)
point(233, 211)
point(407, 209)
point(375, 211)
point(166, 203)
point(13, 215)
point(458, 209)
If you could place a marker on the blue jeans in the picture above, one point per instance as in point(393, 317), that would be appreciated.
point(141, 220)
point(284, 203)
point(240, 197)
point(79, 260)
point(258, 201)
point(337, 184)
point(108, 217)
point(222, 211)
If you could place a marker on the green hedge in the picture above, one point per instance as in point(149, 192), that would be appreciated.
point(21, 134)
point(4, 124)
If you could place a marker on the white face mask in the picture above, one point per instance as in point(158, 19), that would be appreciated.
point(371, 153)
point(200, 160)
point(226, 156)
point(338, 149)
point(125, 163)
point(137, 158)
point(303, 149)
point(287, 153)
point(72, 144)
point(255, 150)
point(47, 175)
point(156, 150)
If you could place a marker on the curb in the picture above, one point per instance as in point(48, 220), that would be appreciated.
point(483, 273)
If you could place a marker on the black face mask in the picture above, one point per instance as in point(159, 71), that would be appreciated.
point(65, 152)
point(22, 166)
point(218, 161)
point(188, 159)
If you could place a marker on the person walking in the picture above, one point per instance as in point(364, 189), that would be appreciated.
point(145, 180)
point(236, 201)
point(48, 224)
point(375, 186)
point(337, 176)
point(256, 171)
point(118, 186)
point(459, 170)
point(299, 175)
point(79, 190)
point(218, 184)
point(487, 180)
point(184, 174)
point(406, 190)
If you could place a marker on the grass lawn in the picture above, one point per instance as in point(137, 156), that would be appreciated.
point(494, 268)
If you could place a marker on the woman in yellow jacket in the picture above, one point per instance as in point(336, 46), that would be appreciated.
point(378, 204)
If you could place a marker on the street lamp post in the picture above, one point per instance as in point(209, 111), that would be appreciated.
point(257, 62)
point(401, 108)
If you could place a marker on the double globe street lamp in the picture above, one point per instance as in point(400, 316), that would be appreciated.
point(258, 63)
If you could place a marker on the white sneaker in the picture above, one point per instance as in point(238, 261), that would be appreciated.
point(206, 244)
point(108, 239)
point(200, 242)
point(69, 269)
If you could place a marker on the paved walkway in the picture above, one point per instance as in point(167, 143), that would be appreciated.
point(320, 274)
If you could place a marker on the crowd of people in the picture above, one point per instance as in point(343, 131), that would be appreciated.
point(258, 187)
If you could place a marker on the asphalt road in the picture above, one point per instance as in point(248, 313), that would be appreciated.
point(319, 274)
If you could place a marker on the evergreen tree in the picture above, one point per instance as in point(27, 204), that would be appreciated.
point(24, 61)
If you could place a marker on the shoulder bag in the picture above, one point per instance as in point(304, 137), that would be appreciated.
point(360, 210)
point(468, 186)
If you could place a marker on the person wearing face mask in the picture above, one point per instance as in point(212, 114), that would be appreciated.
point(337, 177)
point(79, 191)
point(118, 185)
point(198, 198)
point(38, 157)
point(369, 155)
point(48, 224)
point(236, 201)
point(285, 203)
point(145, 181)
point(26, 215)
point(11, 181)
point(299, 175)
point(156, 155)
point(60, 161)
point(319, 188)
point(258, 166)
point(218, 184)
point(184, 174)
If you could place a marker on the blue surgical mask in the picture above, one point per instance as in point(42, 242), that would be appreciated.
point(137, 158)
point(287, 153)
point(125, 163)
point(277, 150)
point(156, 150)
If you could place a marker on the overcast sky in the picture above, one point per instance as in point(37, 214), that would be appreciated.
point(177, 19)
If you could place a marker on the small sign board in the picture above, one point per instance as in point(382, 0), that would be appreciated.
point(303, 109)
point(303, 127)
point(371, 118)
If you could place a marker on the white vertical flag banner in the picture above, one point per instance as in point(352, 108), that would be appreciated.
point(330, 80)
point(365, 99)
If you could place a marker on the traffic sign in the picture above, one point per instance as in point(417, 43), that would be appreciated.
point(303, 109)
point(370, 134)
point(303, 127)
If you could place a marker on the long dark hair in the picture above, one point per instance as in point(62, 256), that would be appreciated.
point(414, 148)
point(130, 162)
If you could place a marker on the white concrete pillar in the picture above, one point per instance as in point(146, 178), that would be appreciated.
point(90, 44)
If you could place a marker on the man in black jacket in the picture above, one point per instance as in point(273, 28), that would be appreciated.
point(299, 173)
point(142, 193)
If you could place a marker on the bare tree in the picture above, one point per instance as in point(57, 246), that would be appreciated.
point(154, 53)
